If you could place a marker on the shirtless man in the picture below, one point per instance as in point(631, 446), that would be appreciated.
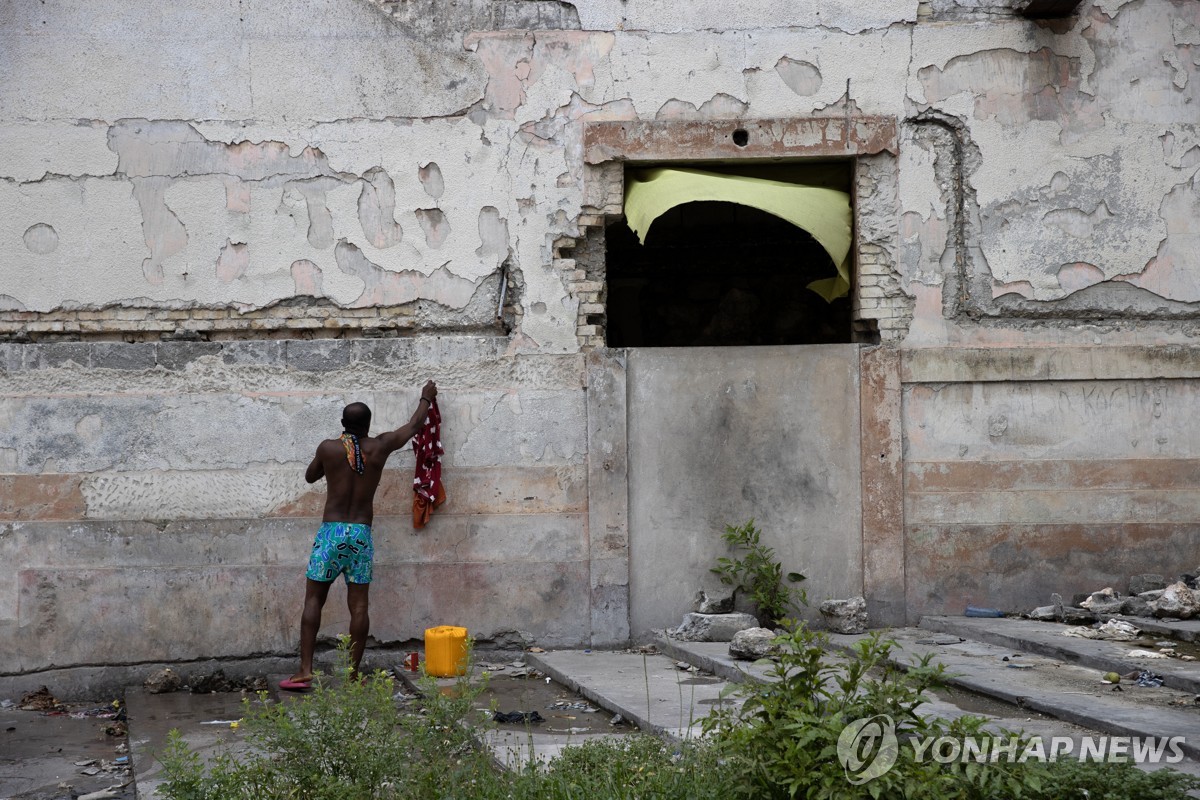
point(351, 466)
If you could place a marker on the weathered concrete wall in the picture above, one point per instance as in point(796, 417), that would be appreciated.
point(722, 435)
point(1047, 470)
point(164, 494)
point(1049, 173)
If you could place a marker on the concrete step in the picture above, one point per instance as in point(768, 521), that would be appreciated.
point(1066, 691)
point(1047, 639)
point(949, 705)
point(646, 689)
point(617, 681)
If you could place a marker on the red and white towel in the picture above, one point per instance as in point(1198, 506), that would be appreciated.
point(428, 493)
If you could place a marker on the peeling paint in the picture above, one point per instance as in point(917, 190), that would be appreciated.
point(1073, 277)
point(801, 77)
point(41, 239)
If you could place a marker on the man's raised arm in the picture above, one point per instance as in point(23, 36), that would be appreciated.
point(394, 440)
point(316, 470)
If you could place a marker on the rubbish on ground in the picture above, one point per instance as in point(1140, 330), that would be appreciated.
point(104, 794)
point(617, 719)
point(1145, 654)
point(536, 650)
point(163, 681)
point(1148, 679)
point(579, 705)
point(6, 703)
point(517, 717)
point(40, 700)
point(942, 640)
point(1111, 677)
point(977, 611)
point(100, 712)
point(218, 722)
point(1114, 630)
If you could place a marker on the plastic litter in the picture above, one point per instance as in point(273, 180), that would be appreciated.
point(1114, 630)
point(567, 705)
point(977, 611)
point(1149, 679)
point(1146, 654)
point(518, 717)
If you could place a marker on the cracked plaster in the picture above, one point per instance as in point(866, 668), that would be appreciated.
point(663, 16)
point(333, 194)
point(1095, 194)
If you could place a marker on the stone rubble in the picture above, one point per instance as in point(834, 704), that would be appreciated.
point(845, 616)
point(712, 627)
point(712, 604)
point(753, 644)
point(1149, 596)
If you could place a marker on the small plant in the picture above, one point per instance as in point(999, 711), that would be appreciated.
point(783, 741)
point(759, 575)
point(346, 739)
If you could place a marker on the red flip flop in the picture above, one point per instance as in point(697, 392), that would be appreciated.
point(295, 686)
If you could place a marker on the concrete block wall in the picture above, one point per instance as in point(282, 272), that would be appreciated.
point(1043, 470)
point(154, 507)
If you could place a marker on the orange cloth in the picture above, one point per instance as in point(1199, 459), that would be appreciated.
point(423, 507)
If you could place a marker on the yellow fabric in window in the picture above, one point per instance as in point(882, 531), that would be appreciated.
point(823, 213)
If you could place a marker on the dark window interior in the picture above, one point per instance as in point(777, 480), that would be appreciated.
point(714, 273)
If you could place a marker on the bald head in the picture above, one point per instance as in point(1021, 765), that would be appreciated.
point(356, 418)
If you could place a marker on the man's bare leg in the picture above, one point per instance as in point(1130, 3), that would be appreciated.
point(315, 594)
point(360, 622)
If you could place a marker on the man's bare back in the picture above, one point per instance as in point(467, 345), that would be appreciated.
point(352, 466)
point(350, 497)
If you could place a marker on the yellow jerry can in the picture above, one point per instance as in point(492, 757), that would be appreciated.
point(445, 651)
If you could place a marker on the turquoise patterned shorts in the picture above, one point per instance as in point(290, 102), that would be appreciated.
point(341, 548)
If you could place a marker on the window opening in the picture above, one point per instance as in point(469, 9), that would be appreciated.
point(713, 273)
